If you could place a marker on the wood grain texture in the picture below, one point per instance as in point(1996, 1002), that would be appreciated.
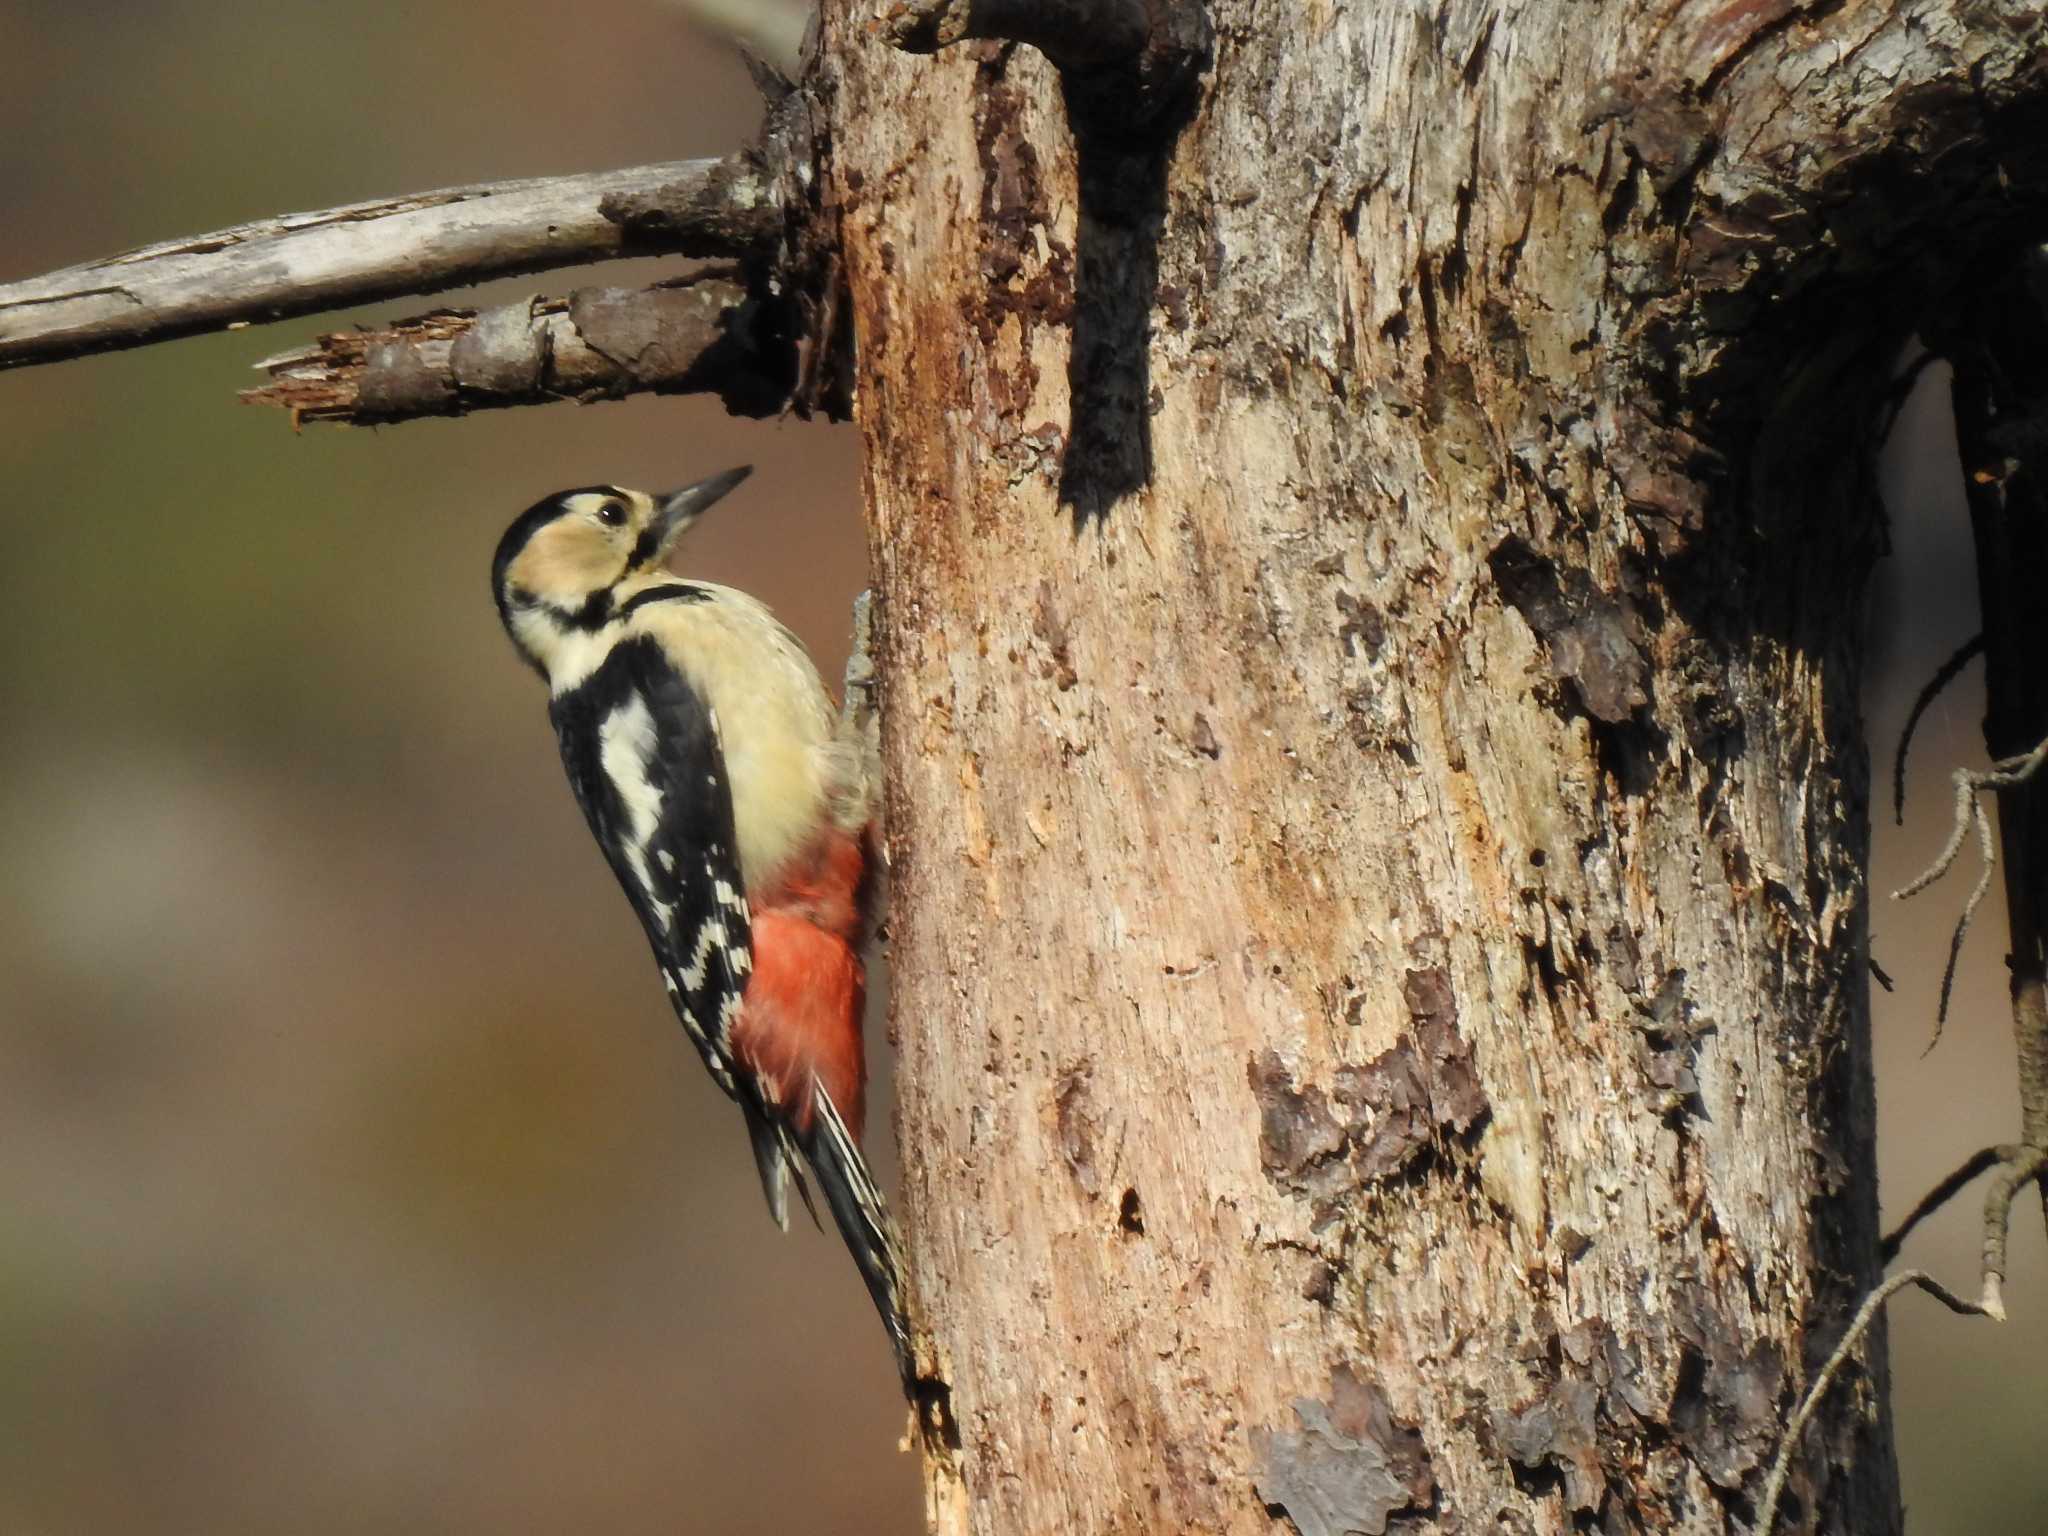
point(303, 263)
point(1369, 574)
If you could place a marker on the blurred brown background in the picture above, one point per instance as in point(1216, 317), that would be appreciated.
point(351, 1175)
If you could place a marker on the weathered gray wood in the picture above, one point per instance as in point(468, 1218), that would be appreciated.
point(303, 263)
point(1369, 592)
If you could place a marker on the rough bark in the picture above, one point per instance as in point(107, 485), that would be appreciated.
point(697, 335)
point(1370, 561)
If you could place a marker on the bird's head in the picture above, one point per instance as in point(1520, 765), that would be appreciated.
point(563, 557)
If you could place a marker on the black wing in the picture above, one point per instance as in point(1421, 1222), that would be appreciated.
point(643, 756)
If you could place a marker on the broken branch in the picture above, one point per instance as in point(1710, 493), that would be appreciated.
point(303, 263)
point(1069, 32)
point(1781, 1465)
point(1947, 673)
point(2018, 1166)
point(2014, 1174)
point(2006, 774)
point(1941, 1194)
point(697, 335)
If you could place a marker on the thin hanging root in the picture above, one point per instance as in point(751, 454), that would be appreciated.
point(2018, 1167)
point(1947, 673)
point(1781, 1465)
point(1955, 941)
point(2007, 773)
point(1941, 1194)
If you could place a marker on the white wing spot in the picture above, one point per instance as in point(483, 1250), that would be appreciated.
point(625, 746)
point(712, 936)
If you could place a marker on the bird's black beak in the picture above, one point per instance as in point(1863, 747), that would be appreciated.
point(679, 509)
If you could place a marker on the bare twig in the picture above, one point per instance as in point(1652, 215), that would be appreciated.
point(1941, 1194)
point(2008, 773)
point(693, 335)
point(307, 262)
point(1997, 342)
point(2025, 1166)
point(1955, 940)
point(1781, 1464)
point(2018, 1166)
point(1069, 32)
point(1947, 673)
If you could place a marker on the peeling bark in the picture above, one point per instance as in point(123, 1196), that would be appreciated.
point(1370, 558)
point(701, 335)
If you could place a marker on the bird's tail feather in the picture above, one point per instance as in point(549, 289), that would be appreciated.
point(862, 1216)
point(775, 1155)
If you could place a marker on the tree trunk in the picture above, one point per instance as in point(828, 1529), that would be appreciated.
point(1370, 560)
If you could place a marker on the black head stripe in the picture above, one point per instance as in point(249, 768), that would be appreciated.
point(594, 612)
point(530, 522)
point(644, 546)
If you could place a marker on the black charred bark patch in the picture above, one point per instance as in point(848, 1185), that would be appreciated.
point(1378, 1120)
point(1556, 1433)
point(1350, 1468)
point(1582, 1435)
point(1724, 1411)
point(1298, 1136)
point(1594, 639)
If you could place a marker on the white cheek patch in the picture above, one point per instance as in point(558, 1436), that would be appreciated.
point(571, 655)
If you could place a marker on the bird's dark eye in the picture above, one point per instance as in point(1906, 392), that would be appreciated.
point(611, 514)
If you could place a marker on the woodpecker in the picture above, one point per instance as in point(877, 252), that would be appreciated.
point(733, 807)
